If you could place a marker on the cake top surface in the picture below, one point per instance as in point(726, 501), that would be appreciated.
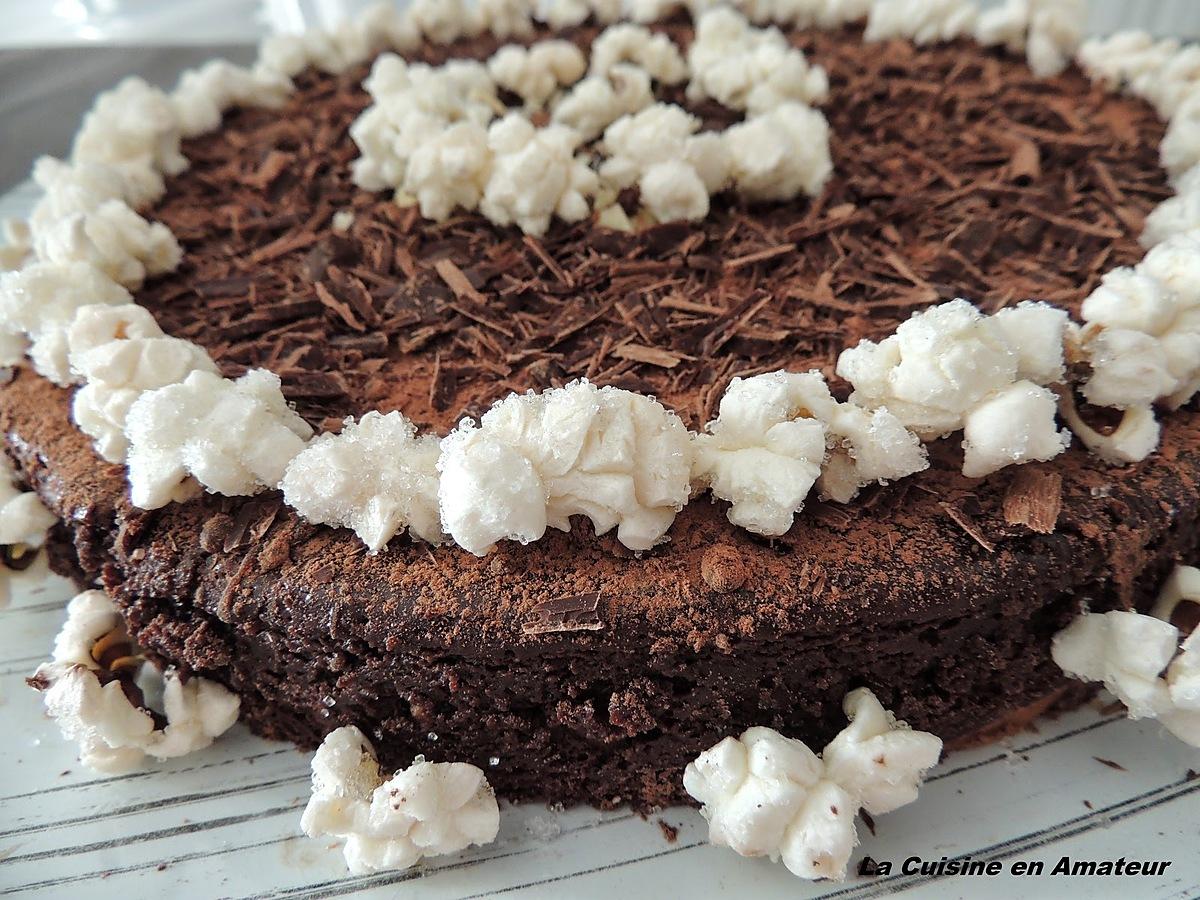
point(956, 174)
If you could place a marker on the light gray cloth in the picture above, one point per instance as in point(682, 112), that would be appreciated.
point(44, 93)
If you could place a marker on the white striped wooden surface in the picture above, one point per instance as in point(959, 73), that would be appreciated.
point(225, 822)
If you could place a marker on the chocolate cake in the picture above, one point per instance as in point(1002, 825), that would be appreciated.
point(573, 669)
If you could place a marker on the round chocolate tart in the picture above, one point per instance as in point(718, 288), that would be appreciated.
point(571, 669)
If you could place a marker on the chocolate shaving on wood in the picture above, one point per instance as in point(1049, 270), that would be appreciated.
point(1034, 499)
point(576, 612)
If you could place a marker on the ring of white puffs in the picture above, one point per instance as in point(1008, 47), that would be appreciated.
point(158, 404)
point(442, 137)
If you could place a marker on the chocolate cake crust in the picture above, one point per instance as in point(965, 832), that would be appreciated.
point(588, 673)
point(451, 657)
point(956, 173)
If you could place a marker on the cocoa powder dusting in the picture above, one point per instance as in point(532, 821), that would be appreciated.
point(956, 174)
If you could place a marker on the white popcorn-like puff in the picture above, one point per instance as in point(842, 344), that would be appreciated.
point(1176, 265)
point(656, 54)
point(70, 189)
point(507, 18)
point(767, 795)
point(743, 67)
point(1183, 675)
point(114, 239)
point(1166, 75)
point(675, 168)
point(287, 55)
point(1124, 650)
point(1171, 85)
point(1118, 60)
point(428, 809)
point(1035, 333)
point(1142, 339)
point(751, 787)
point(131, 127)
point(1142, 659)
point(1176, 215)
point(425, 135)
point(375, 477)
point(1180, 147)
point(762, 453)
point(537, 72)
point(865, 446)
point(924, 21)
point(234, 437)
point(1160, 71)
point(120, 353)
point(775, 433)
point(40, 301)
point(944, 362)
point(203, 95)
point(1135, 437)
point(445, 21)
point(599, 100)
point(560, 14)
point(535, 175)
point(1129, 368)
point(349, 43)
point(780, 154)
point(762, 12)
point(824, 14)
point(93, 709)
point(450, 170)
point(1013, 426)
point(461, 90)
point(24, 520)
point(535, 460)
point(18, 241)
point(1047, 31)
point(878, 759)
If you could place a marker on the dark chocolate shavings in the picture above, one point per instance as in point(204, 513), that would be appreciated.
point(1034, 500)
point(576, 612)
